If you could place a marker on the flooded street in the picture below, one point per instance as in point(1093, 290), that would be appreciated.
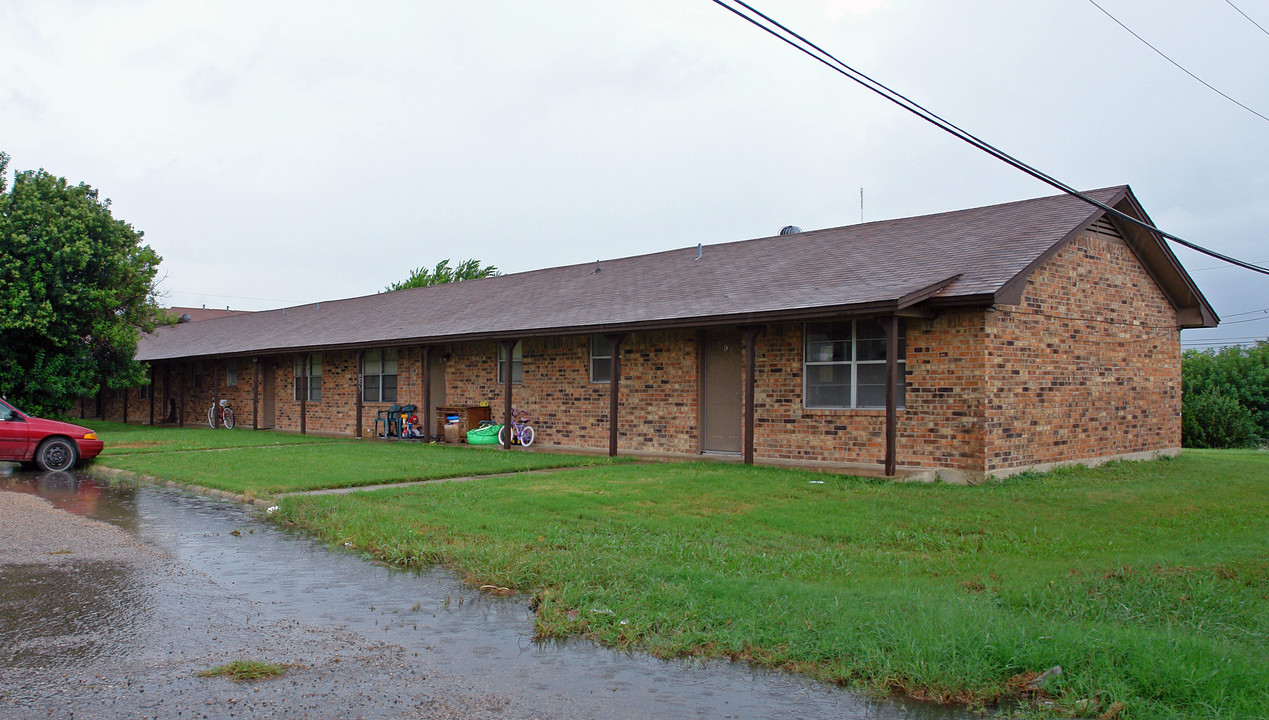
point(122, 627)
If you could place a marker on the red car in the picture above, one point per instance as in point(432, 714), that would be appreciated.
point(50, 444)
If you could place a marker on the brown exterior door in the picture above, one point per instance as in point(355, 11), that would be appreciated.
point(721, 401)
point(268, 382)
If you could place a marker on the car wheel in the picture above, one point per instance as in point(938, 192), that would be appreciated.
point(56, 454)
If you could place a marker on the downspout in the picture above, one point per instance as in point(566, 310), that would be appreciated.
point(892, 376)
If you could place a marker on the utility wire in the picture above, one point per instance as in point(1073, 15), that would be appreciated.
point(1253, 22)
point(911, 106)
point(1177, 64)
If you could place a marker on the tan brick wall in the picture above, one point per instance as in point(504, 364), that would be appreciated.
point(658, 390)
point(1088, 366)
point(940, 425)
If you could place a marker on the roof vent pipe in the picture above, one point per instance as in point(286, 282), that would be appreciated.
point(700, 250)
point(184, 318)
point(790, 230)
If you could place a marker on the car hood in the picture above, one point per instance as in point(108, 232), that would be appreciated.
point(54, 427)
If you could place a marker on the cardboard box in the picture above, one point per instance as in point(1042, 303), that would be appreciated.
point(453, 434)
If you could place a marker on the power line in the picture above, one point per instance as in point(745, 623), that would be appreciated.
point(1253, 22)
point(824, 57)
point(1177, 64)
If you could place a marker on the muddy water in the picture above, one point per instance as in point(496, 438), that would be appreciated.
point(53, 617)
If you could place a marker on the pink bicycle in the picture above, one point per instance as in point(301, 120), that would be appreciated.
point(521, 431)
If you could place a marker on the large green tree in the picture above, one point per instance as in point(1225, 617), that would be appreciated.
point(76, 289)
point(443, 273)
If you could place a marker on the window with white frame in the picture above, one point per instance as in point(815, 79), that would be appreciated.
point(600, 359)
point(379, 376)
point(845, 365)
point(231, 373)
point(517, 363)
point(314, 373)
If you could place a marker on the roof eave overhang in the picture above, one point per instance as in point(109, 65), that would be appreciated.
point(920, 302)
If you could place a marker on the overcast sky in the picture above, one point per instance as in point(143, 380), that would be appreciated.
point(283, 153)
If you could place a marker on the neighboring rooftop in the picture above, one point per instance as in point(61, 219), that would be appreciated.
point(203, 313)
point(963, 258)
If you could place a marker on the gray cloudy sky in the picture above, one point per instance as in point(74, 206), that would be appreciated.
point(278, 153)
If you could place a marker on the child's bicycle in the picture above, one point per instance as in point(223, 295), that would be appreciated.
point(521, 431)
point(225, 414)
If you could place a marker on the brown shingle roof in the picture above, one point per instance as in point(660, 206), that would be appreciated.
point(962, 257)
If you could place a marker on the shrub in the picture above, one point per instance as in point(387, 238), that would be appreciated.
point(1216, 420)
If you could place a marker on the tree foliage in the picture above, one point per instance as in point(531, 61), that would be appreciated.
point(1225, 396)
point(443, 273)
point(76, 288)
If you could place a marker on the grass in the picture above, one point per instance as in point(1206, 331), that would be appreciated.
point(122, 439)
point(1147, 582)
point(263, 463)
point(246, 671)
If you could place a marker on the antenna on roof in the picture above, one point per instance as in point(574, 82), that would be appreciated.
point(861, 204)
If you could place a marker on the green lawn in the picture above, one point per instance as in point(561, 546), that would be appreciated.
point(1147, 582)
point(121, 439)
point(263, 463)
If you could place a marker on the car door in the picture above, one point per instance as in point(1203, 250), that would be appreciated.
point(15, 434)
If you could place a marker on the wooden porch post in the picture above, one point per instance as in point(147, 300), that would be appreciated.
point(427, 393)
point(508, 346)
point(892, 373)
point(180, 395)
point(614, 390)
point(125, 406)
point(358, 388)
point(153, 386)
point(215, 416)
point(751, 336)
point(255, 393)
point(304, 393)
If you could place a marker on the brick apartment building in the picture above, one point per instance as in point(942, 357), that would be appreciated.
point(1014, 336)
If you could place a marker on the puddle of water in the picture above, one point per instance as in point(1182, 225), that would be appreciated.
point(285, 577)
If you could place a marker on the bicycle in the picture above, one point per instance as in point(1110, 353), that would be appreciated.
point(521, 431)
point(226, 415)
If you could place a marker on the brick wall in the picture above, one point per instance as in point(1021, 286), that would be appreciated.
point(1088, 366)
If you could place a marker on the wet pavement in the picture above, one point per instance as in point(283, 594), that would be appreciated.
point(125, 635)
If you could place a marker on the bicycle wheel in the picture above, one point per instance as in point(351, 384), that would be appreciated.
point(526, 436)
point(211, 416)
point(228, 418)
point(502, 435)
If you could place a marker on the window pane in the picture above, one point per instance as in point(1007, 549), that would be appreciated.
point(371, 391)
point(374, 363)
point(870, 340)
point(601, 369)
point(828, 386)
point(517, 370)
point(316, 388)
point(389, 388)
point(871, 381)
point(316, 365)
point(827, 342)
point(600, 347)
point(390, 362)
point(298, 388)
